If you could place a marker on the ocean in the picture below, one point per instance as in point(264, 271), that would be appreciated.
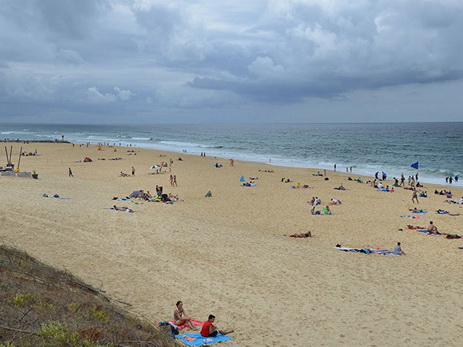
point(367, 148)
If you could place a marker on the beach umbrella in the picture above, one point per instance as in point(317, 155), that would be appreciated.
point(154, 166)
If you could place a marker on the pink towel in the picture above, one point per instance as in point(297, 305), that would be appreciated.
point(196, 323)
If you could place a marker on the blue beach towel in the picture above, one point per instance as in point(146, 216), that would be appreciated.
point(200, 340)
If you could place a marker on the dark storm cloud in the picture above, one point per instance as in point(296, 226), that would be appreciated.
point(152, 55)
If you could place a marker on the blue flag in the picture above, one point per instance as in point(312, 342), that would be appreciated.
point(415, 165)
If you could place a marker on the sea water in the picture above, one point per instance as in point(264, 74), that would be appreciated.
point(367, 148)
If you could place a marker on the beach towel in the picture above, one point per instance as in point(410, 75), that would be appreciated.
point(195, 339)
point(359, 250)
point(366, 250)
point(412, 217)
point(196, 323)
point(447, 236)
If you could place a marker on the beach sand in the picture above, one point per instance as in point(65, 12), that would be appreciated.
point(228, 255)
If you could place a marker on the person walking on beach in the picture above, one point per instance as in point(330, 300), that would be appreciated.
point(210, 330)
point(171, 180)
point(174, 181)
point(70, 173)
point(415, 196)
point(334, 167)
point(402, 180)
point(133, 171)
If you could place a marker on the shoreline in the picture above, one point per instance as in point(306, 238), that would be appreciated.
point(230, 255)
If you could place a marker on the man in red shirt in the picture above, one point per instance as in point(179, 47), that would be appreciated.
point(209, 329)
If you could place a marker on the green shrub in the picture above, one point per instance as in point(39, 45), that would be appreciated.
point(44, 307)
point(21, 300)
point(99, 315)
point(57, 333)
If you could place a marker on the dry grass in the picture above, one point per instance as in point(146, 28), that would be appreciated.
point(41, 306)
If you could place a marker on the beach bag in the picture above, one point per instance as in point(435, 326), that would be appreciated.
point(169, 329)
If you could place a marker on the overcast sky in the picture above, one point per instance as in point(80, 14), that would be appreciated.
point(227, 61)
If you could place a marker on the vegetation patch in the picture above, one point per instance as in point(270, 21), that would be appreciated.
point(42, 306)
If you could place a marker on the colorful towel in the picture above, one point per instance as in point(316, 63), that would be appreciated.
point(366, 250)
point(413, 217)
point(195, 339)
point(196, 323)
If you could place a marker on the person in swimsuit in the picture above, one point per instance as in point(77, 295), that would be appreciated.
point(415, 196)
point(304, 235)
point(432, 229)
point(180, 317)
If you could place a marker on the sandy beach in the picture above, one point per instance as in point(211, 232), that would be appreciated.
point(230, 254)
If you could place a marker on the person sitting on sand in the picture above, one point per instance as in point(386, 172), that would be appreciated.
point(398, 250)
point(304, 235)
point(432, 229)
point(180, 316)
point(327, 210)
point(210, 330)
point(208, 194)
point(341, 187)
point(335, 202)
point(123, 208)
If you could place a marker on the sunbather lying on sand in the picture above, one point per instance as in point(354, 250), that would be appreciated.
point(123, 208)
point(411, 227)
point(308, 234)
point(416, 210)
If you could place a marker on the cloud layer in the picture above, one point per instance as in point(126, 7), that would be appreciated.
point(272, 60)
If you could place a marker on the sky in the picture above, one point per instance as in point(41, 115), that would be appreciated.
point(239, 61)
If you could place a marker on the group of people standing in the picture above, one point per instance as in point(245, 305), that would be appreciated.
point(450, 179)
point(173, 180)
